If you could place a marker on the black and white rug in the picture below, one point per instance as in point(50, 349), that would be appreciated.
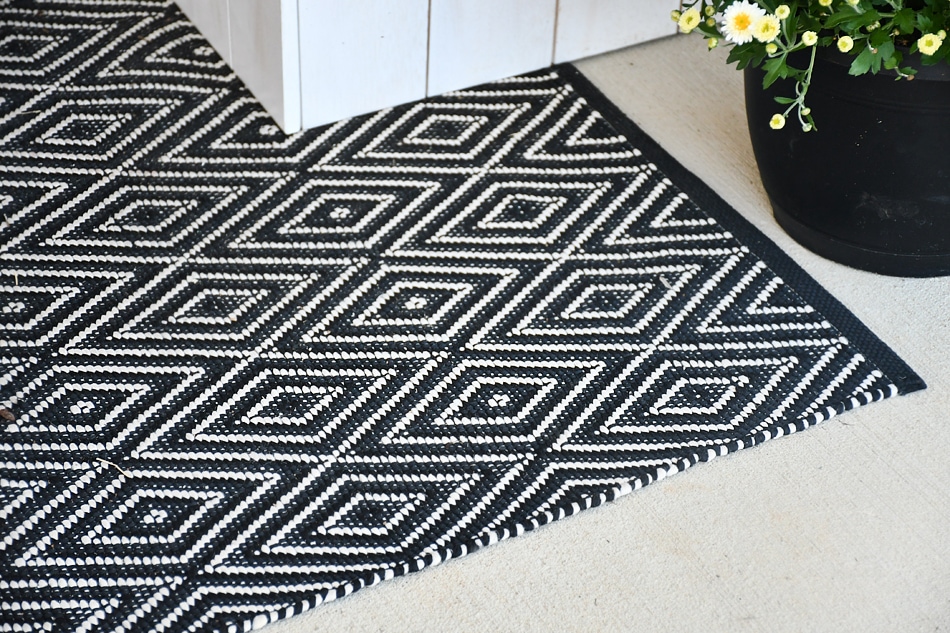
point(245, 373)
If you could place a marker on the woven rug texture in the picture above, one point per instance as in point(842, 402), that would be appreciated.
point(243, 373)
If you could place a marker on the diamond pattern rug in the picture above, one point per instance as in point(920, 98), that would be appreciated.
point(244, 373)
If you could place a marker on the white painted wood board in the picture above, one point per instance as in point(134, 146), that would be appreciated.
point(211, 18)
point(311, 62)
point(473, 41)
point(360, 56)
point(591, 27)
point(265, 54)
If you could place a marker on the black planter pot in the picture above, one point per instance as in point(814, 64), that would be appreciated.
point(871, 187)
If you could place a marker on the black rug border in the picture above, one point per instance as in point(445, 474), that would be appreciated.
point(881, 354)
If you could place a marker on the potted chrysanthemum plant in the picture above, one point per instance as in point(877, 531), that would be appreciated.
point(872, 188)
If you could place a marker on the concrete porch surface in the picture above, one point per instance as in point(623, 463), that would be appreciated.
point(845, 527)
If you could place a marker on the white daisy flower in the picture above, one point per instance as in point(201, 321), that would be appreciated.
point(737, 21)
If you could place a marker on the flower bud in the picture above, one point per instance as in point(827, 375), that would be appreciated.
point(805, 111)
point(777, 122)
point(771, 48)
point(845, 43)
point(675, 15)
point(809, 38)
point(709, 10)
point(782, 11)
point(712, 43)
point(807, 127)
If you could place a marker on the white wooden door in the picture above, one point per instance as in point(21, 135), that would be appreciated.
point(590, 27)
point(359, 56)
point(474, 41)
point(312, 62)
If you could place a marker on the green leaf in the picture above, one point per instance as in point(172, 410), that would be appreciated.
point(886, 50)
point(775, 69)
point(851, 21)
point(741, 59)
point(784, 100)
point(788, 25)
point(846, 13)
point(862, 63)
point(878, 38)
point(876, 60)
point(904, 20)
point(893, 60)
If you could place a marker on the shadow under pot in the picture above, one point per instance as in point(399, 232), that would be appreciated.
point(870, 187)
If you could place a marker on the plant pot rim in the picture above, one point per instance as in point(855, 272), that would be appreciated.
point(935, 72)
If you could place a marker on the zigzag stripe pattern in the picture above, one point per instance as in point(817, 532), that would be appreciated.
point(245, 373)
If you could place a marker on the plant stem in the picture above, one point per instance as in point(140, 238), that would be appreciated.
point(802, 89)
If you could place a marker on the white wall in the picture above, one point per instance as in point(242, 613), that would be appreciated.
point(590, 27)
point(312, 62)
point(474, 41)
point(211, 18)
point(368, 57)
point(265, 53)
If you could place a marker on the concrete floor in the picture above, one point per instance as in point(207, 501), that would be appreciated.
point(845, 527)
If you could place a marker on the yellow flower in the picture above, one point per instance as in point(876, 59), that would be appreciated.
point(929, 43)
point(809, 38)
point(845, 43)
point(825, 3)
point(766, 28)
point(771, 48)
point(689, 20)
point(782, 11)
point(777, 122)
point(737, 21)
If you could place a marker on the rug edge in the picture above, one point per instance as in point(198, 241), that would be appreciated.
point(558, 512)
point(894, 367)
